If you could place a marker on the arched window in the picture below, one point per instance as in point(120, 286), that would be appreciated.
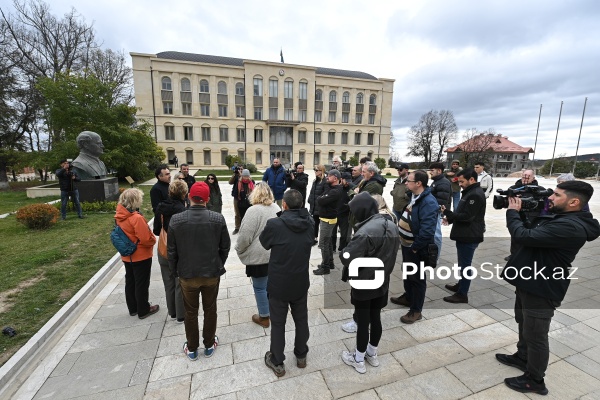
point(258, 85)
point(166, 83)
point(185, 85)
point(222, 88)
point(372, 100)
point(333, 96)
point(204, 86)
point(359, 98)
point(239, 89)
point(319, 95)
point(346, 97)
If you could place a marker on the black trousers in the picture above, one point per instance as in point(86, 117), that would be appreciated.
point(367, 314)
point(534, 314)
point(317, 222)
point(279, 310)
point(414, 286)
point(137, 282)
point(344, 224)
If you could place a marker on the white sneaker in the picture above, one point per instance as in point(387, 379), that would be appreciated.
point(349, 359)
point(349, 327)
point(373, 360)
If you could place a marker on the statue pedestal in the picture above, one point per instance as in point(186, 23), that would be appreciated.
point(105, 189)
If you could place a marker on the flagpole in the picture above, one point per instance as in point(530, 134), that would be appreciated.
point(579, 138)
point(536, 138)
point(556, 139)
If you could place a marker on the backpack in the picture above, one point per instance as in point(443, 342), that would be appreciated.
point(122, 243)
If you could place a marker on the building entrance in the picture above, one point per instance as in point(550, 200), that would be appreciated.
point(281, 144)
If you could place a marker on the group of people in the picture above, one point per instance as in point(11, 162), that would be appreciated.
point(276, 231)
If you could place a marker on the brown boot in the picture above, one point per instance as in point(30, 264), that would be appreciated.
point(265, 322)
point(452, 288)
point(400, 300)
point(457, 298)
point(411, 317)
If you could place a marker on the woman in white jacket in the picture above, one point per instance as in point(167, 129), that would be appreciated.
point(251, 252)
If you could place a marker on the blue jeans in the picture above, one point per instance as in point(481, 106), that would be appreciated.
point(64, 199)
point(464, 252)
point(455, 200)
point(260, 293)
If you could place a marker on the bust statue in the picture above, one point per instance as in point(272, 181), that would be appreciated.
point(87, 164)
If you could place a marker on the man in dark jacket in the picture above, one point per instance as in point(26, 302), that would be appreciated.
point(235, 178)
point(316, 190)
point(372, 181)
point(441, 189)
point(198, 245)
point(275, 178)
point(467, 230)
point(375, 237)
point(344, 211)
point(527, 178)
point(67, 178)
point(299, 181)
point(329, 204)
point(160, 190)
point(539, 269)
point(189, 179)
point(289, 238)
point(451, 175)
point(357, 175)
point(417, 229)
point(399, 192)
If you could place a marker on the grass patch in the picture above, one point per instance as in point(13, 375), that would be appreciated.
point(59, 261)
point(12, 200)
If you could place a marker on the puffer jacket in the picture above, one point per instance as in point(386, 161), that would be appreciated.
point(441, 189)
point(137, 230)
point(198, 243)
point(275, 178)
point(316, 190)
point(167, 209)
point(423, 221)
point(468, 219)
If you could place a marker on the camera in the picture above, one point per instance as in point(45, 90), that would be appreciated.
point(532, 197)
point(288, 173)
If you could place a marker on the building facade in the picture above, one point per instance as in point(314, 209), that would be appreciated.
point(205, 108)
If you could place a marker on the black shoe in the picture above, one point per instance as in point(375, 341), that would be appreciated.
point(235, 231)
point(133, 314)
point(512, 360)
point(452, 288)
point(315, 242)
point(457, 298)
point(153, 310)
point(400, 300)
point(506, 258)
point(525, 384)
point(321, 271)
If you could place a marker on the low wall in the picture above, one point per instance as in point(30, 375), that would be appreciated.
point(44, 190)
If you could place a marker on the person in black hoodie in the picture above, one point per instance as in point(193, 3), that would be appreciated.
point(329, 204)
point(164, 211)
point(377, 237)
point(289, 238)
point(539, 270)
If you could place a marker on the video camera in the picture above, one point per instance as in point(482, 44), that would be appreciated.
point(532, 197)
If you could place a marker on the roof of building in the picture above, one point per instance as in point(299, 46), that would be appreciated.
point(239, 62)
point(499, 144)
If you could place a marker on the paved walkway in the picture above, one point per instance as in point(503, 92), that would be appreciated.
point(106, 354)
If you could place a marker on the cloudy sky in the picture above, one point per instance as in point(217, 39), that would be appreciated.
point(491, 62)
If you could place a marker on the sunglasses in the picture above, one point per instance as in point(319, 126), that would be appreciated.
point(211, 179)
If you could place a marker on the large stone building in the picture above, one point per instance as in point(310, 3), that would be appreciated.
point(206, 107)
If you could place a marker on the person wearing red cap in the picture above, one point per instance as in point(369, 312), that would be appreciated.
point(198, 245)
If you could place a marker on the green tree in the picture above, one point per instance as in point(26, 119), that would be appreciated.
point(380, 162)
point(585, 169)
point(561, 165)
point(76, 103)
point(353, 161)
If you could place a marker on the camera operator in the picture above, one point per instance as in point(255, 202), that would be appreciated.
point(297, 179)
point(237, 173)
point(67, 179)
point(527, 178)
point(539, 270)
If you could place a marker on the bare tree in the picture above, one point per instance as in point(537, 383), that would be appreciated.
point(431, 136)
point(476, 146)
point(110, 67)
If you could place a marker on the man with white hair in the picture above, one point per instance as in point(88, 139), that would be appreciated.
point(372, 181)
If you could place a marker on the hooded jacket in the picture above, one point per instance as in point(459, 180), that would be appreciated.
point(423, 220)
point(375, 236)
point(166, 209)
point(468, 219)
point(275, 178)
point(65, 180)
point(374, 185)
point(331, 200)
point(290, 238)
point(400, 194)
point(137, 230)
point(549, 247)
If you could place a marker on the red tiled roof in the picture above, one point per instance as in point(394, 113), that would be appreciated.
point(500, 144)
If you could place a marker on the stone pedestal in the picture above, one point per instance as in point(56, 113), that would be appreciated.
point(105, 189)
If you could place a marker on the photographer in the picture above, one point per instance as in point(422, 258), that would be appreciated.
point(539, 270)
point(67, 179)
point(527, 178)
point(297, 179)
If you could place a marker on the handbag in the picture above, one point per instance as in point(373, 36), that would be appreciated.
point(162, 240)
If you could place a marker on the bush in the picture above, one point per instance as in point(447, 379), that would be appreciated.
point(96, 206)
point(388, 174)
point(230, 160)
point(38, 216)
point(353, 161)
point(380, 162)
point(251, 167)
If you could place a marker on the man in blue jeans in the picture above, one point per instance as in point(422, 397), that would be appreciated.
point(67, 180)
point(467, 229)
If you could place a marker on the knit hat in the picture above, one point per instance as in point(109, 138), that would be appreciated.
point(335, 173)
point(245, 173)
point(200, 192)
point(346, 175)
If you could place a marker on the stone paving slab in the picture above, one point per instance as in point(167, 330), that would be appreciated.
point(438, 384)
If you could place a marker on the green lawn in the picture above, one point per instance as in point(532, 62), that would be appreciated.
point(13, 200)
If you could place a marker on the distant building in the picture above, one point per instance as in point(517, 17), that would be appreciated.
point(501, 156)
point(206, 107)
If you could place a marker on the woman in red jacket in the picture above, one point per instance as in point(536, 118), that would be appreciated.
point(137, 266)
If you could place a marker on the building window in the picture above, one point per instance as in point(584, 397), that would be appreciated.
point(224, 134)
point(169, 132)
point(189, 157)
point(239, 89)
point(358, 119)
point(288, 114)
point(258, 157)
point(372, 100)
point(302, 157)
point(273, 87)
point(258, 113)
point(186, 97)
point(188, 133)
point(242, 155)
point(224, 154)
point(345, 117)
point(240, 111)
point(318, 116)
point(186, 108)
point(302, 115)
point(359, 98)
point(357, 138)
point(222, 87)
point(331, 138)
point(330, 157)
point(344, 137)
point(317, 137)
point(258, 89)
point(167, 95)
point(167, 107)
point(206, 157)
point(319, 95)
point(346, 97)
point(166, 83)
point(288, 90)
point(205, 110)
point(331, 116)
point(241, 134)
point(258, 135)
point(206, 133)
point(371, 119)
point(273, 113)
point(357, 154)
point(333, 96)
point(303, 91)
point(204, 86)
point(222, 110)
point(301, 136)
point(370, 139)
point(170, 156)
point(317, 158)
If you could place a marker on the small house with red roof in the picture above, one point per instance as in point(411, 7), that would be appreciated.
point(501, 156)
